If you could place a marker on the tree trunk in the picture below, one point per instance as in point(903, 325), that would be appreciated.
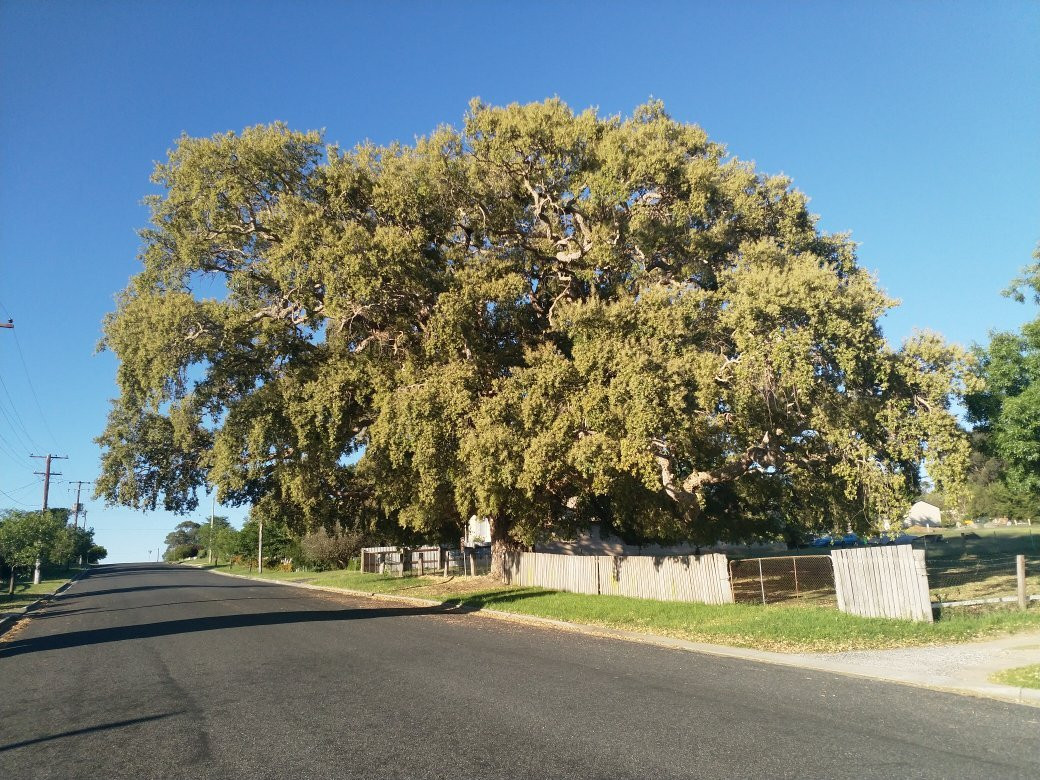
point(10, 584)
point(502, 544)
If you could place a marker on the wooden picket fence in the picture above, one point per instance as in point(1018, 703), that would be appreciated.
point(882, 582)
point(703, 578)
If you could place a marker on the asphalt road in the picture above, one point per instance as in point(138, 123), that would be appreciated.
point(159, 671)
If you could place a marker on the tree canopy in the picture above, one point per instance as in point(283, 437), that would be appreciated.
point(543, 317)
point(1006, 413)
point(28, 537)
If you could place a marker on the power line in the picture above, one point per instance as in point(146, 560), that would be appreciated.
point(9, 449)
point(26, 486)
point(36, 398)
point(17, 417)
point(4, 493)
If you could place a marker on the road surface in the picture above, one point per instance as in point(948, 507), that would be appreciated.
point(150, 670)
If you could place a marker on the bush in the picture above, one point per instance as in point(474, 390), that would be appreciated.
point(181, 551)
point(325, 550)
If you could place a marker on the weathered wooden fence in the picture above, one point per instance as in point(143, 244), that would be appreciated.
point(703, 578)
point(882, 582)
point(402, 560)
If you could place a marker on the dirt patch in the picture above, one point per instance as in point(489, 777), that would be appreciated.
point(454, 586)
point(14, 630)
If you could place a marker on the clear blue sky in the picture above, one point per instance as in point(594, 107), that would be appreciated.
point(916, 126)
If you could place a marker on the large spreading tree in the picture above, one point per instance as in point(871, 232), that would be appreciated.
point(545, 318)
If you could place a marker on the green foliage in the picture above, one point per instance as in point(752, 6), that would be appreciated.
point(183, 541)
point(179, 552)
point(26, 537)
point(71, 544)
point(96, 553)
point(543, 317)
point(323, 549)
point(279, 541)
point(213, 531)
point(1006, 414)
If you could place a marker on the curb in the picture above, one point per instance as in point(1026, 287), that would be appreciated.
point(6, 621)
point(1024, 696)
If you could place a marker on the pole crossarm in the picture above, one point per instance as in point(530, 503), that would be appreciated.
point(47, 473)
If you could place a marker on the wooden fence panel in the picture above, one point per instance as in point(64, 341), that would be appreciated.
point(882, 582)
point(702, 578)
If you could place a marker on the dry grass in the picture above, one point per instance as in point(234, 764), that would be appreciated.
point(1022, 677)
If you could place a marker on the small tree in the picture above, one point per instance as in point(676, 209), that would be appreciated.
point(71, 544)
point(182, 541)
point(26, 537)
point(213, 533)
point(96, 553)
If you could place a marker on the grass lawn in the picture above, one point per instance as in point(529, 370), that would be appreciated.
point(975, 563)
point(773, 627)
point(1022, 677)
point(25, 593)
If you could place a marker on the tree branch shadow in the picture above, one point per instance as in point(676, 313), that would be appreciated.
point(89, 730)
point(210, 623)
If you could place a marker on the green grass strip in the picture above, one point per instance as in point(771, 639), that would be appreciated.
point(773, 627)
point(1022, 677)
point(25, 593)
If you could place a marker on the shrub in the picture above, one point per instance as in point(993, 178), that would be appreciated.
point(181, 551)
point(325, 550)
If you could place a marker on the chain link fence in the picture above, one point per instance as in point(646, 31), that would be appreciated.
point(800, 579)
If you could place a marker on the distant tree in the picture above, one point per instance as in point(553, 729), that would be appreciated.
point(279, 540)
point(544, 318)
point(96, 553)
point(220, 526)
point(1006, 413)
point(225, 543)
point(183, 541)
point(72, 544)
point(26, 537)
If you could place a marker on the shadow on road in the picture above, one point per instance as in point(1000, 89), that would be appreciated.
point(82, 594)
point(120, 569)
point(55, 612)
point(89, 730)
point(213, 623)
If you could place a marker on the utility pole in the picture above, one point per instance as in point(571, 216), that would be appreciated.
point(260, 547)
point(47, 474)
point(79, 483)
point(212, 512)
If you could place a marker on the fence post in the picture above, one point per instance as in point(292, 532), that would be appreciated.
point(1020, 571)
point(794, 562)
point(422, 564)
point(761, 581)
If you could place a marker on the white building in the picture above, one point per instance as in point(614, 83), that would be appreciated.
point(478, 531)
point(924, 514)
